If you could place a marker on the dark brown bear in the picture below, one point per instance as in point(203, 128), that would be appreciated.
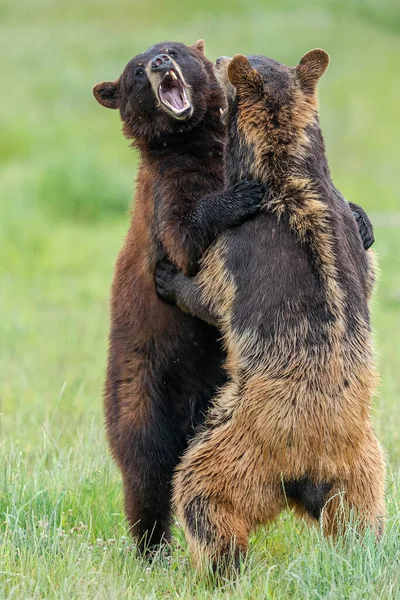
point(164, 366)
point(289, 291)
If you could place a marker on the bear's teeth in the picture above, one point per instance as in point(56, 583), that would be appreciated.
point(172, 73)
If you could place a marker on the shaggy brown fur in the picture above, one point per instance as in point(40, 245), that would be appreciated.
point(289, 292)
point(164, 366)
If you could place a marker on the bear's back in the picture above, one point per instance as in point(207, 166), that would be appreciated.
point(278, 284)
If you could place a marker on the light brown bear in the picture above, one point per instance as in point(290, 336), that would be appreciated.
point(289, 291)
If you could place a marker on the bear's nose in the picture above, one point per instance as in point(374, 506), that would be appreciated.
point(161, 62)
point(220, 60)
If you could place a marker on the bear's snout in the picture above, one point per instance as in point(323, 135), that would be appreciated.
point(161, 62)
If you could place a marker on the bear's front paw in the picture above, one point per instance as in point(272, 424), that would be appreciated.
point(166, 275)
point(248, 196)
point(364, 225)
point(365, 229)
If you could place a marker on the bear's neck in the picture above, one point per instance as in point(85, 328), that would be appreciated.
point(306, 165)
point(202, 140)
point(284, 167)
point(206, 138)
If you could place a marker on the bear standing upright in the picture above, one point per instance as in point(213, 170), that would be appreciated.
point(164, 366)
point(289, 291)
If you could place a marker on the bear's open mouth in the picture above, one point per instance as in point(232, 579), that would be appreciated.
point(172, 93)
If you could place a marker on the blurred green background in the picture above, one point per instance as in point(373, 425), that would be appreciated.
point(67, 173)
point(66, 183)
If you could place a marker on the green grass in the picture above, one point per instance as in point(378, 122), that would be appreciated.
point(66, 178)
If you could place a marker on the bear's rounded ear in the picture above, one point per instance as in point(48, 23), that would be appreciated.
point(311, 67)
point(200, 45)
point(107, 93)
point(242, 75)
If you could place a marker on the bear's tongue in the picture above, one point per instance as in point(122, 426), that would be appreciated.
point(173, 96)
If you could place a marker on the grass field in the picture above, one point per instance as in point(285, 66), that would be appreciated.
point(66, 179)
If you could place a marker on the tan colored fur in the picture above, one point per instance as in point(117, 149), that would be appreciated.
point(286, 411)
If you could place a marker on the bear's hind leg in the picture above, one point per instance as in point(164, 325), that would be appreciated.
point(362, 493)
point(147, 507)
point(147, 456)
point(216, 533)
point(222, 492)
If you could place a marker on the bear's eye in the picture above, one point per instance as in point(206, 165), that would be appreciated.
point(172, 53)
point(139, 72)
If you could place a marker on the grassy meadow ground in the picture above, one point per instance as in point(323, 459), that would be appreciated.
point(66, 179)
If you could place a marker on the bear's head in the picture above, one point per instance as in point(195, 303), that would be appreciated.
point(272, 109)
point(166, 90)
